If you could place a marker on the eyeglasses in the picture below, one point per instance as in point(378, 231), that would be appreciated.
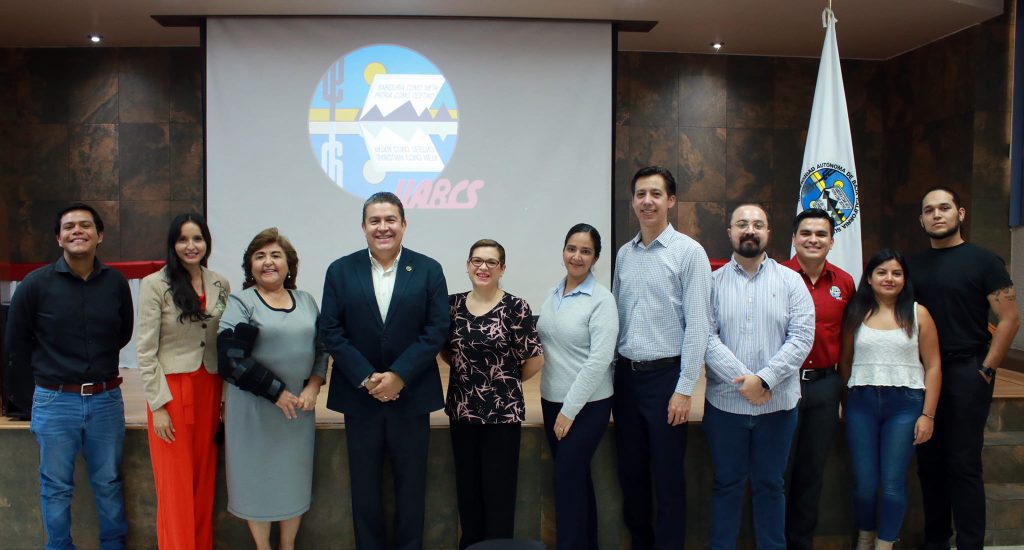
point(742, 225)
point(491, 263)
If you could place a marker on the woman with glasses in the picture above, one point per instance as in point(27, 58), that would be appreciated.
point(492, 348)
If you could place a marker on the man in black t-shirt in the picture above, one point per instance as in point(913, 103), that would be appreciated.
point(959, 283)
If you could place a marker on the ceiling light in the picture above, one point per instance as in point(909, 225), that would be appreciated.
point(717, 45)
point(95, 38)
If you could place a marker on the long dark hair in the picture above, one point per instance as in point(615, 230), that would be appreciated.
point(864, 303)
point(184, 296)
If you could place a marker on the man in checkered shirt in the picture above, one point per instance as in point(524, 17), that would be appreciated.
point(662, 285)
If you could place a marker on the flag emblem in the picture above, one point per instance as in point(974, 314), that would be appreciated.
point(835, 292)
point(832, 188)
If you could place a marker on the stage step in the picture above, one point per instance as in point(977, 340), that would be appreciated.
point(1004, 511)
point(1007, 413)
point(1003, 457)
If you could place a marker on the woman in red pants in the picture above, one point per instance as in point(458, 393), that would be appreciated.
point(179, 311)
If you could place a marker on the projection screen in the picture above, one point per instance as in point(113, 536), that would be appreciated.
point(484, 128)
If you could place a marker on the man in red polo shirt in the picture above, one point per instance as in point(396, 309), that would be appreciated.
point(820, 385)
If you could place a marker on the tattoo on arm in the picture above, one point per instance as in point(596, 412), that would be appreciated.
point(1008, 294)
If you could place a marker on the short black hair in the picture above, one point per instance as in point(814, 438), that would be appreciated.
point(387, 198)
point(589, 230)
point(670, 181)
point(96, 219)
point(814, 213)
point(952, 193)
point(757, 205)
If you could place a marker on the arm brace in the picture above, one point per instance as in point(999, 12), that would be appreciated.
point(236, 365)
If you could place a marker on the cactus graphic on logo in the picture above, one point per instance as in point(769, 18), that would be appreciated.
point(381, 114)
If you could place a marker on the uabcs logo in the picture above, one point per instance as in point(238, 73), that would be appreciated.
point(832, 188)
point(384, 118)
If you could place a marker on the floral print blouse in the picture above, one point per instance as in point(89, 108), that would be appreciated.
point(485, 383)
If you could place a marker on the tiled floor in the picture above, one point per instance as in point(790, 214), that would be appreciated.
point(1008, 384)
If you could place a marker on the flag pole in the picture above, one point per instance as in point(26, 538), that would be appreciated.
point(828, 174)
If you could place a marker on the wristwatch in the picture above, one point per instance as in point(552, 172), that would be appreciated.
point(987, 372)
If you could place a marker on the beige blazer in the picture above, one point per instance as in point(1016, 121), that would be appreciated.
point(163, 345)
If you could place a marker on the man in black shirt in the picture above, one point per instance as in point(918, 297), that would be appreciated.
point(959, 283)
point(68, 321)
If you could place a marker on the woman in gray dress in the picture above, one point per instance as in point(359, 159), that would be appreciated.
point(270, 436)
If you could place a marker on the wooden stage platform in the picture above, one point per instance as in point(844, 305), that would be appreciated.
point(1009, 384)
point(328, 523)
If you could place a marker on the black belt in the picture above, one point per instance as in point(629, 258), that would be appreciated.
point(969, 354)
point(645, 366)
point(810, 375)
point(89, 388)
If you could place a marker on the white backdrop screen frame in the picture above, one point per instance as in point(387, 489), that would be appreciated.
point(532, 156)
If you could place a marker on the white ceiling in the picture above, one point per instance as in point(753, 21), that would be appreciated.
point(867, 29)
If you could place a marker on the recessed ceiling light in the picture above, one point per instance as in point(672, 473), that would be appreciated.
point(717, 46)
point(95, 38)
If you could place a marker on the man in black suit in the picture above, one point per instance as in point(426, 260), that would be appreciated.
point(384, 318)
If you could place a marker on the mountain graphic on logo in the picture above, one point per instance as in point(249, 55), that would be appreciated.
point(443, 114)
point(404, 113)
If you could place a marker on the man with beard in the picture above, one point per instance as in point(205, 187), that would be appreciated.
point(820, 384)
point(662, 286)
point(959, 283)
point(762, 330)
point(384, 318)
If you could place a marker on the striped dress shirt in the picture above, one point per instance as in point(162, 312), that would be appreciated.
point(663, 293)
point(764, 325)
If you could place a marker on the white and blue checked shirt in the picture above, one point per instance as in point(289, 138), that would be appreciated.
point(663, 292)
point(762, 325)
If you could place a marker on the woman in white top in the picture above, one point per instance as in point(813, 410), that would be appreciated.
point(891, 363)
point(578, 326)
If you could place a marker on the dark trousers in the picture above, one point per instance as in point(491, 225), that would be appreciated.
point(949, 464)
point(486, 470)
point(817, 421)
point(371, 439)
point(575, 503)
point(650, 450)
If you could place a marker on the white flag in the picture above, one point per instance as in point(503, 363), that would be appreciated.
point(828, 176)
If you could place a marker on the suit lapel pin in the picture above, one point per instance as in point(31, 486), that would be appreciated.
point(408, 268)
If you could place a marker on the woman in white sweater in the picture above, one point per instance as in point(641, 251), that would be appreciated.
point(578, 328)
point(891, 362)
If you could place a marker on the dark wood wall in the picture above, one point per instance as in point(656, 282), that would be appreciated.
point(121, 128)
point(732, 129)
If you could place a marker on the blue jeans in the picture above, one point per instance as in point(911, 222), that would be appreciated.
point(880, 429)
point(64, 424)
point(754, 447)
